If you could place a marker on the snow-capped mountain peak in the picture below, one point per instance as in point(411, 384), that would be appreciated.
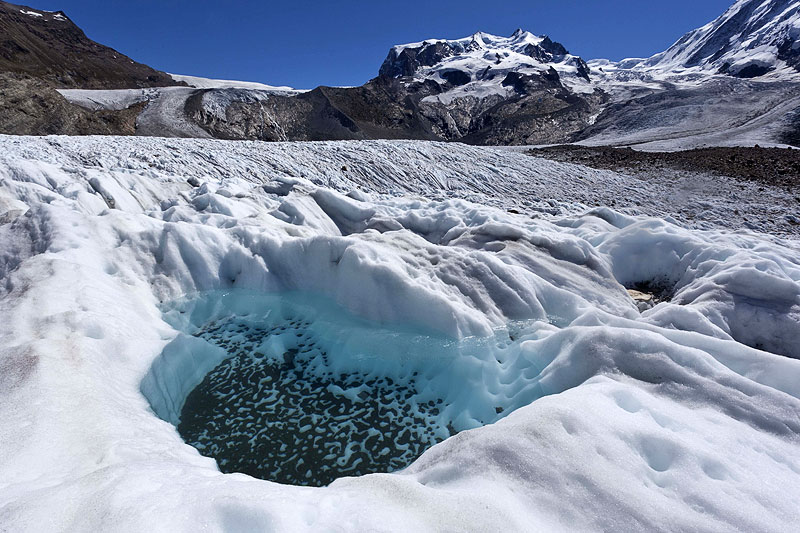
point(752, 38)
point(480, 56)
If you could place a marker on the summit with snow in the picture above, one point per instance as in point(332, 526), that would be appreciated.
point(753, 39)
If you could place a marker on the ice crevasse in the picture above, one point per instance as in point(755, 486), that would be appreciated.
point(574, 409)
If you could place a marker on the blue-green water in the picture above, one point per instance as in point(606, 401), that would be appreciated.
point(292, 388)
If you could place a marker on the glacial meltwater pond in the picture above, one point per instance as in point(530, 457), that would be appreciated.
point(292, 388)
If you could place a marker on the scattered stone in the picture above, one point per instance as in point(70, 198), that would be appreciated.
point(769, 166)
point(644, 301)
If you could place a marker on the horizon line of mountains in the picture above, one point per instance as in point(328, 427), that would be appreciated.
point(482, 89)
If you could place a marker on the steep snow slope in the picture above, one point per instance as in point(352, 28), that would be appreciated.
point(752, 38)
point(663, 420)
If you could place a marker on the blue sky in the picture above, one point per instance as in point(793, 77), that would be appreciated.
point(308, 43)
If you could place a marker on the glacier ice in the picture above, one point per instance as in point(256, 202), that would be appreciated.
point(290, 387)
point(684, 416)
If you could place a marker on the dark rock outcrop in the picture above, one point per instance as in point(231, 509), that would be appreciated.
point(408, 61)
point(378, 109)
point(49, 46)
point(29, 106)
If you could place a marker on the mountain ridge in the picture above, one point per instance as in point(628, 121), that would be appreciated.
point(495, 90)
point(49, 46)
point(753, 38)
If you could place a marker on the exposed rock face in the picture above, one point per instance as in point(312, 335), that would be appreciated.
point(406, 62)
point(49, 46)
point(539, 118)
point(234, 114)
point(495, 90)
point(538, 109)
point(789, 52)
point(29, 106)
point(525, 83)
point(374, 110)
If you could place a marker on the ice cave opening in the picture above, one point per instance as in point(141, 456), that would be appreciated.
point(292, 388)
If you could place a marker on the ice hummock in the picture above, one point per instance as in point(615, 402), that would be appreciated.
point(686, 411)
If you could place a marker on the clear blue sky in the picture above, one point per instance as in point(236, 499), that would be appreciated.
point(308, 43)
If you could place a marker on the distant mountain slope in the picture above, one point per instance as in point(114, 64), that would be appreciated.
point(481, 57)
point(732, 82)
point(491, 89)
point(752, 38)
point(49, 46)
point(480, 89)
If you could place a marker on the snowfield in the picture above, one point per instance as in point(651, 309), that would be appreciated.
point(684, 416)
point(208, 83)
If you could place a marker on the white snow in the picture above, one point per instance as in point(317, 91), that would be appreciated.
point(487, 59)
point(208, 83)
point(111, 99)
point(696, 54)
point(43, 14)
point(477, 89)
point(624, 420)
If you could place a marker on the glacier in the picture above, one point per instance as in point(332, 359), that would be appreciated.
point(684, 416)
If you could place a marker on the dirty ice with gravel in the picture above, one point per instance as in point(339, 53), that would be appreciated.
point(581, 349)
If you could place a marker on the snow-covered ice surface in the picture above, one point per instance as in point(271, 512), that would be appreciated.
point(682, 417)
point(210, 83)
point(112, 99)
